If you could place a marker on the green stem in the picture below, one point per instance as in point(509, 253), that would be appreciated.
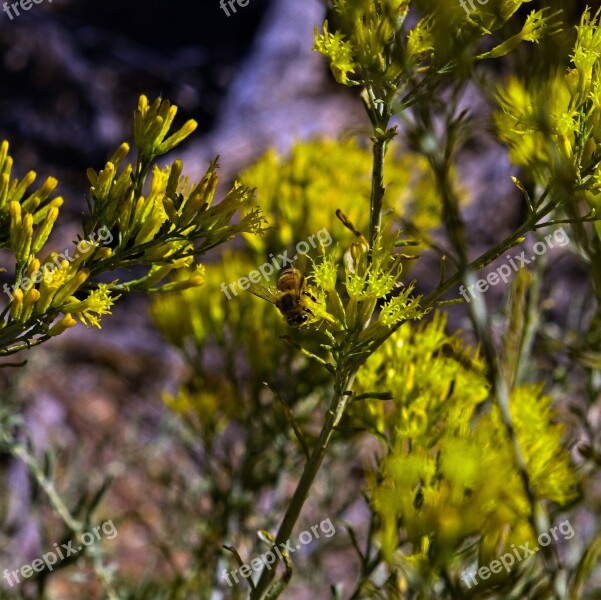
point(379, 114)
point(481, 261)
point(333, 416)
point(377, 190)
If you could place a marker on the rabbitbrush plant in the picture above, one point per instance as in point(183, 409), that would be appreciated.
point(465, 452)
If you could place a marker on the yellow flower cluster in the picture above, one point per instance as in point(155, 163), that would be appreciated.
point(300, 193)
point(362, 50)
point(442, 448)
point(37, 292)
point(552, 124)
point(371, 47)
point(160, 223)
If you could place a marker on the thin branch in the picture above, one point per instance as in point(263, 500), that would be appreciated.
point(20, 452)
point(293, 422)
point(590, 218)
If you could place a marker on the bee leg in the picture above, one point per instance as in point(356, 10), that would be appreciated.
point(305, 293)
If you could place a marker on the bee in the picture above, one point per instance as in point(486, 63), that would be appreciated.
point(290, 297)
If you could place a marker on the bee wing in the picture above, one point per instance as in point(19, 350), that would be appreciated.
point(269, 294)
point(301, 263)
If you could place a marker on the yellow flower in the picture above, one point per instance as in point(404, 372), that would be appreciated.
point(88, 311)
